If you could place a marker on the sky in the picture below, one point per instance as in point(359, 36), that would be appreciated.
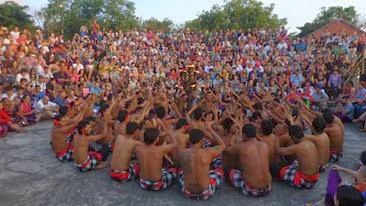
point(297, 12)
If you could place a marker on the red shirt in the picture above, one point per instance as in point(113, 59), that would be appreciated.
point(4, 118)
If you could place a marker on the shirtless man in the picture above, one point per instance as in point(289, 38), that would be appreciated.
point(254, 177)
point(150, 156)
point(85, 159)
point(61, 141)
point(196, 122)
point(304, 171)
point(109, 137)
point(124, 147)
point(197, 180)
point(321, 141)
point(120, 124)
point(181, 136)
point(270, 139)
point(334, 133)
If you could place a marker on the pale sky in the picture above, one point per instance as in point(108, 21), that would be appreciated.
point(297, 12)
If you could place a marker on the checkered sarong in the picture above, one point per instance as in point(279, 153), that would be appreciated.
point(290, 175)
point(66, 154)
point(334, 156)
point(215, 179)
point(216, 162)
point(90, 163)
point(131, 173)
point(236, 179)
point(168, 175)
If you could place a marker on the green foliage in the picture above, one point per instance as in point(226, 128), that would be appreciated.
point(70, 15)
point(326, 15)
point(237, 14)
point(156, 25)
point(12, 14)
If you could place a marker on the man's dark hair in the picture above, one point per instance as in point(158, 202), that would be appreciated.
point(195, 136)
point(150, 135)
point(258, 106)
point(295, 131)
point(160, 112)
point(197, 113)
point(63, 110)
point(267, 126)
point(328, 116)
point(319, 124)
point(82, 125)
point(131, 128)
point(180, 123)
point(140, 100)
point(249, 131)
point(122, 115)
point(227, 124)
point(103, 106)
point(348, 195)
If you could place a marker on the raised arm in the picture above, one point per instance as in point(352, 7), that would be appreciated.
point(188, 114)
point(93, 138)
point(218, 149)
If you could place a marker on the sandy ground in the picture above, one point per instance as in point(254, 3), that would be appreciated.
point(31, 175)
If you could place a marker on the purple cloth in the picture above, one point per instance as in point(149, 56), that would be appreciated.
point(333, 182)
point(335, 80)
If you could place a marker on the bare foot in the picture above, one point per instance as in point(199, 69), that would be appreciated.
point(101, 165)
point(363, 130)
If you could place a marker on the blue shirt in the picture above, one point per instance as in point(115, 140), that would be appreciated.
point(95, 90)
point(39, 96)
point(60, 101)
point(296, 79)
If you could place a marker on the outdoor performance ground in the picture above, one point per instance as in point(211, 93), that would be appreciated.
point(30, 175)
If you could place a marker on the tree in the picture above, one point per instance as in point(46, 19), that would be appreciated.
point(326, 15)
point(70, 15)
point(155, 25)
point(12, 14)
point(237, 14)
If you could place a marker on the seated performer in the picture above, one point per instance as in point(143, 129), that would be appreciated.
point(61, 135)
point(321, 141)
point(334, 132)
point(304, 171)
point(254, 177)
point(153, 176)
point(84, 158)
point(197, 180)
point(124, 147)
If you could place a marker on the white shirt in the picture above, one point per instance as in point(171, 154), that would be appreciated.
point(39, 106)
point(20, 76)
point(14, 35)
point(11, 97)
